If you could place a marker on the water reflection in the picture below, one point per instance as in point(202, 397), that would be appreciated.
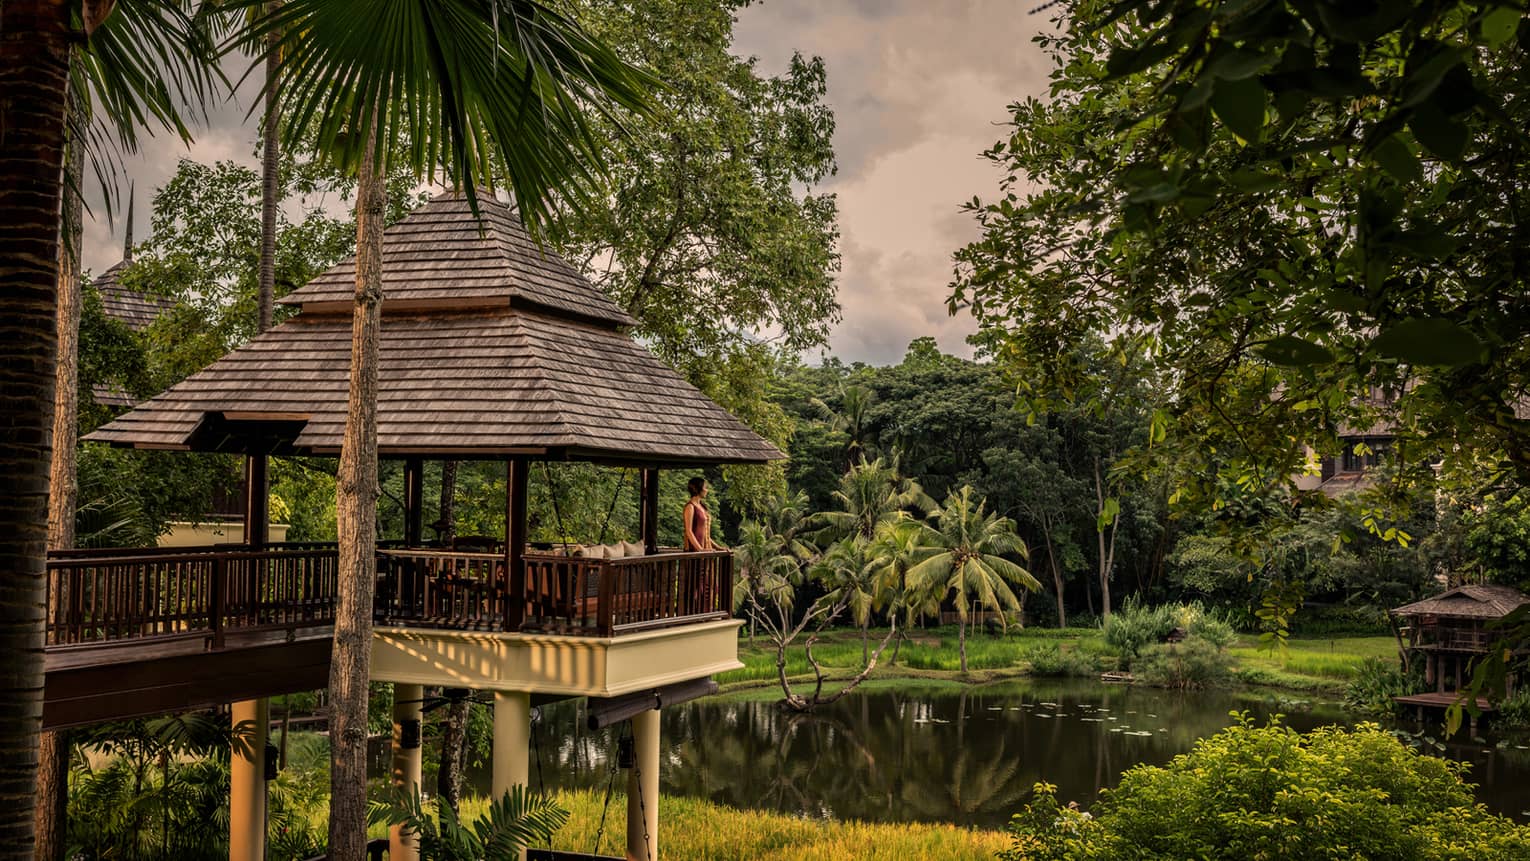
point(968, 756)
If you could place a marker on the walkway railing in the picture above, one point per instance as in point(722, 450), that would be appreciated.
point(115, 595)
point(112, 595)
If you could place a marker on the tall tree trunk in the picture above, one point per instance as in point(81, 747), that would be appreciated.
point(1057, 579)
point(453, 752)
point(961, 639)
point(270, 181)
point(51, 815)
point(1107, 548)
point(34, 71)
point(356, 521)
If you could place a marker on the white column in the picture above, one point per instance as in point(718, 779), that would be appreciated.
point(512, 740)
point(247, 783)
point(407, 708)
point(643, 789)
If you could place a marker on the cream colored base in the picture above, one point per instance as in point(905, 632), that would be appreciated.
point(552, 664)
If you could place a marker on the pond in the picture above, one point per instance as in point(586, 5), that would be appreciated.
point(946, 753)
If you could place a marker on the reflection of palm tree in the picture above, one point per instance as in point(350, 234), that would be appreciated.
point(970, 565)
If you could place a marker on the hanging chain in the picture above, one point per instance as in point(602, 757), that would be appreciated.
point(637, 775)
point(606, 807)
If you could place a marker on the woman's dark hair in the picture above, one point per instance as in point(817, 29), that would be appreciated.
point(696, 485)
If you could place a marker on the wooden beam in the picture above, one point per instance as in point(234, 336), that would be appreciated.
point(256, 501)
point(414, 501)
point(649, 508)
point(606, 711)
point(516, 469)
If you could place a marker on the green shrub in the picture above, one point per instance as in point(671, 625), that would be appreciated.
point(1135, 627)
point(1051, 660)
point(1271, 792)
point(1374, 685)
point(1514, 712)
point(1214, 630)
point(1193, 663)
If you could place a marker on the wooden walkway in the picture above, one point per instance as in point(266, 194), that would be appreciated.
point(1439, 701)
point(149, 676)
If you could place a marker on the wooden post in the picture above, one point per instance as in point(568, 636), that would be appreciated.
point(649, 509)
point(218, 599)
point(247, 784)
point(256, 501)
point(512, 741)
point(515, 543)
point(408, 711)
point(643, 789)
point(414, 501)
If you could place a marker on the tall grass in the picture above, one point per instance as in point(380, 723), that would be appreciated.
point(699, 830)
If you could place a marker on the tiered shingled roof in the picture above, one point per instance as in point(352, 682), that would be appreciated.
point(489, 348)
point(133, 308)
point(1468, 602)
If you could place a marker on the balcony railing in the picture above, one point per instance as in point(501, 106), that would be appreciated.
point(103, 596)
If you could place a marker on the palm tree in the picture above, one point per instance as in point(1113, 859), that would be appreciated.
point(851, 572)
point(869, 495)
point(128, 68)
point(854, 409)
point(899, 546)
point(970, 565)
point(765, 569)
point(481, 89)
point(787, 518)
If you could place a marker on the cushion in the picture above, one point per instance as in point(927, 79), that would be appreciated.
point(631, 549)
point(614, 551)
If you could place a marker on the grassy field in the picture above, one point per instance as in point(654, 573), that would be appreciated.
point(701, 831)
point(1307, 663)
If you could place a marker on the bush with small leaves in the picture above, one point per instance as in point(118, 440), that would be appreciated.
point(1271, 792)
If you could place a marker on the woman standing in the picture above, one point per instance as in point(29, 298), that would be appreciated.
point(696, 520)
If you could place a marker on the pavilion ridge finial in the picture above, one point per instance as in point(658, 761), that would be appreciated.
point(127, 233)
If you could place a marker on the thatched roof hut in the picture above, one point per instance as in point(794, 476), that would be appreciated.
point(1481, 602)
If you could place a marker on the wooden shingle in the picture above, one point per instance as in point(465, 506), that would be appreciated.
point(541, 371)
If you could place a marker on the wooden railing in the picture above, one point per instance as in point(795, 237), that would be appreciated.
point(1456, 638)
point(103, 596)
point(607, 597)
point(95, 598)
point(441, 588)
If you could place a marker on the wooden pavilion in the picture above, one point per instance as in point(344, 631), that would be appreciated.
point(1447, 632)
point(490, 349)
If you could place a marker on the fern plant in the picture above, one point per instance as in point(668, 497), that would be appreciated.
point(512, 822)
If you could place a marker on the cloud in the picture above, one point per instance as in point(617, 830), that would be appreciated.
point(919, 90)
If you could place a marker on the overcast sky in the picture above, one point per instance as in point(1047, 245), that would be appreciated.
point(918, 89)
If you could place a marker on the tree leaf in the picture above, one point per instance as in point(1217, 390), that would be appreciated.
point(1240, 104)
point(1396, 158)
point(1429, 341)
point(1440, 134)
point(1292, 351)
point(1499, 25)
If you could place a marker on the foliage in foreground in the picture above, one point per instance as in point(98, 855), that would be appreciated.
point(507, 825)
point(1271, 792)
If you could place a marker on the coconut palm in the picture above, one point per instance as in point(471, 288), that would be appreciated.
point(871, 494)
point(125, 70)
point(899, 546)
point(787, 517)
point(970, 565)
point(765, 570)
point(851, 572)
point(478, 89)
point(854, 410)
